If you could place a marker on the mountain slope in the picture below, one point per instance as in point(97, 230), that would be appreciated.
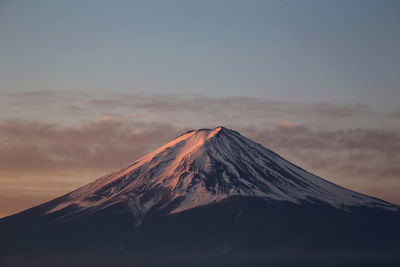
point(213, 191)
point(205, 166)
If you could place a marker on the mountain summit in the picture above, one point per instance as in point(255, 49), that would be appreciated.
point(208, 189)
point(205, 166)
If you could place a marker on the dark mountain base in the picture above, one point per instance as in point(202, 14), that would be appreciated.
point(284, 258)
point(236, 232)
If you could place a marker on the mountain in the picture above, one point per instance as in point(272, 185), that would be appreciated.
point(211, 197)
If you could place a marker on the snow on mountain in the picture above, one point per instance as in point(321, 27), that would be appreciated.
point(206, 166)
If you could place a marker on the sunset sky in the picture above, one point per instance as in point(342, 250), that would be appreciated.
point(88, 86)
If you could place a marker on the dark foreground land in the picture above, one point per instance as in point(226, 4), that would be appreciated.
point(235, 232)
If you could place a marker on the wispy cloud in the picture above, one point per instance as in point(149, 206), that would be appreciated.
point(228, 105)
point(202, 106)
point(106, 143)
point(395, 114)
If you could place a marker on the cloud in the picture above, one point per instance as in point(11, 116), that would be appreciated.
point(177, 108)
point(40, 97)
point(228, 105)
point(290, 126)
point(395, 114)
point(335, 110)
point(287, 134)
point(34, 146)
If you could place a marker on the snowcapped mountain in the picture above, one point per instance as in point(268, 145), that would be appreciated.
point(211, 194)
point(206, 166)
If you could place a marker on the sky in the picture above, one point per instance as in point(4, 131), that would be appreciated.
point(88, 86)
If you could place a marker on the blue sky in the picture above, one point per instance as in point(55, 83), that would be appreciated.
point(88, 86)
point(286, 50)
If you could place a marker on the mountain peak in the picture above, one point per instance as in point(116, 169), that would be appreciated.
point(205, 166)
point(210, 131)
